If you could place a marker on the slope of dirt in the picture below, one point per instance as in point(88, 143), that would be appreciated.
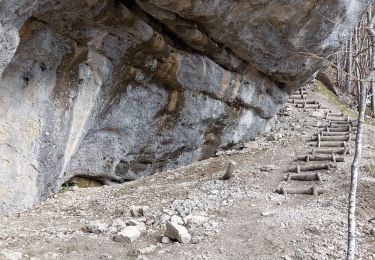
point(241, 218)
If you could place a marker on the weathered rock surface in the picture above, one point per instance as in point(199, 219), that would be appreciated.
point(115, 90)
point(177, 232)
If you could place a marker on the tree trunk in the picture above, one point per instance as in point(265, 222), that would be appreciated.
point(354, 174)
point(373, 98)
point(350, 64)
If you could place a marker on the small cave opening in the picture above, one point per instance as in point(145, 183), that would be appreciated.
point(82, 181)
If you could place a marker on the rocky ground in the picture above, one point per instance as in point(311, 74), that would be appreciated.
point(240, 218)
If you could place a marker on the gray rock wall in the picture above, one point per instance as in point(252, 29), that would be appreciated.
point(117, 90)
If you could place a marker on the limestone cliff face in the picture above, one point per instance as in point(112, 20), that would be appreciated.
point(121, 89)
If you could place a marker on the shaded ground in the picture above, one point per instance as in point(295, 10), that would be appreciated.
point(244, 217)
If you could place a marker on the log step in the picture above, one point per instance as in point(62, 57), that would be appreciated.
point(313, 190)
point(303, 101)
point(343, 151)
point(341, 123)
point(332, 157)
point(304, 94)
point(329, 144)
point(307, 168)
point(347, 119)
point(332, 138)
point(323, 133)
point(335, 114)
point(341, 129)
point(309, 106)
point(304, 177)
point(298, 96)
point(316, 109)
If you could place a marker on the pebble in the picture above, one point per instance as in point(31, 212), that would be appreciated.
point(147, 250)
point(266, 214)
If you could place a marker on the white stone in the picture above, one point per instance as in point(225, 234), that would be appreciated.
point(147, 250)
point(97, 226)
point(141, 226)
point(164, 218)
point(166, 240)
point(118, 223)
point(127, 235)
point(266, 214)
point(177, 219)
point(178, 232)
point(195, 219)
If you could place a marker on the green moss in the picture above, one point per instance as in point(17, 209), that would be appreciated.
point(334, 100)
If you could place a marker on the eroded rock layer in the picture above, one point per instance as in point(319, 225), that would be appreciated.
point(116, 90)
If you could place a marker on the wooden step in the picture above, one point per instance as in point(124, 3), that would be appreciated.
point(343, 151)
point(307, 168)
point(331, 157)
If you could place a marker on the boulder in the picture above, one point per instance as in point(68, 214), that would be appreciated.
point(177, 232)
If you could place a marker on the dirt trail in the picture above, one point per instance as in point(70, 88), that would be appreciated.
point(241, 218)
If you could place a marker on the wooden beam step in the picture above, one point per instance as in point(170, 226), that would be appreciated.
point(343, 151)
point(306, 168)
point(304, 177)
point(331, 157)
point(313, 190)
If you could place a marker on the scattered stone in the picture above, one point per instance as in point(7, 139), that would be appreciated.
point(166, 240)
point(266, 214)
point(164, 218)
point(147, 250)
point(195, 219)
point(178, 232)
point(138, 211)
point(97, 227)
point(118, 224)
point(177, 219)
point(141, 226)
point(286, 257)
point(230, 171)
point(150, 221)
point(127, 235)
point(274, 137)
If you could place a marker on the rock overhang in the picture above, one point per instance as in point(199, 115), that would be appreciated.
point(116, 90)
